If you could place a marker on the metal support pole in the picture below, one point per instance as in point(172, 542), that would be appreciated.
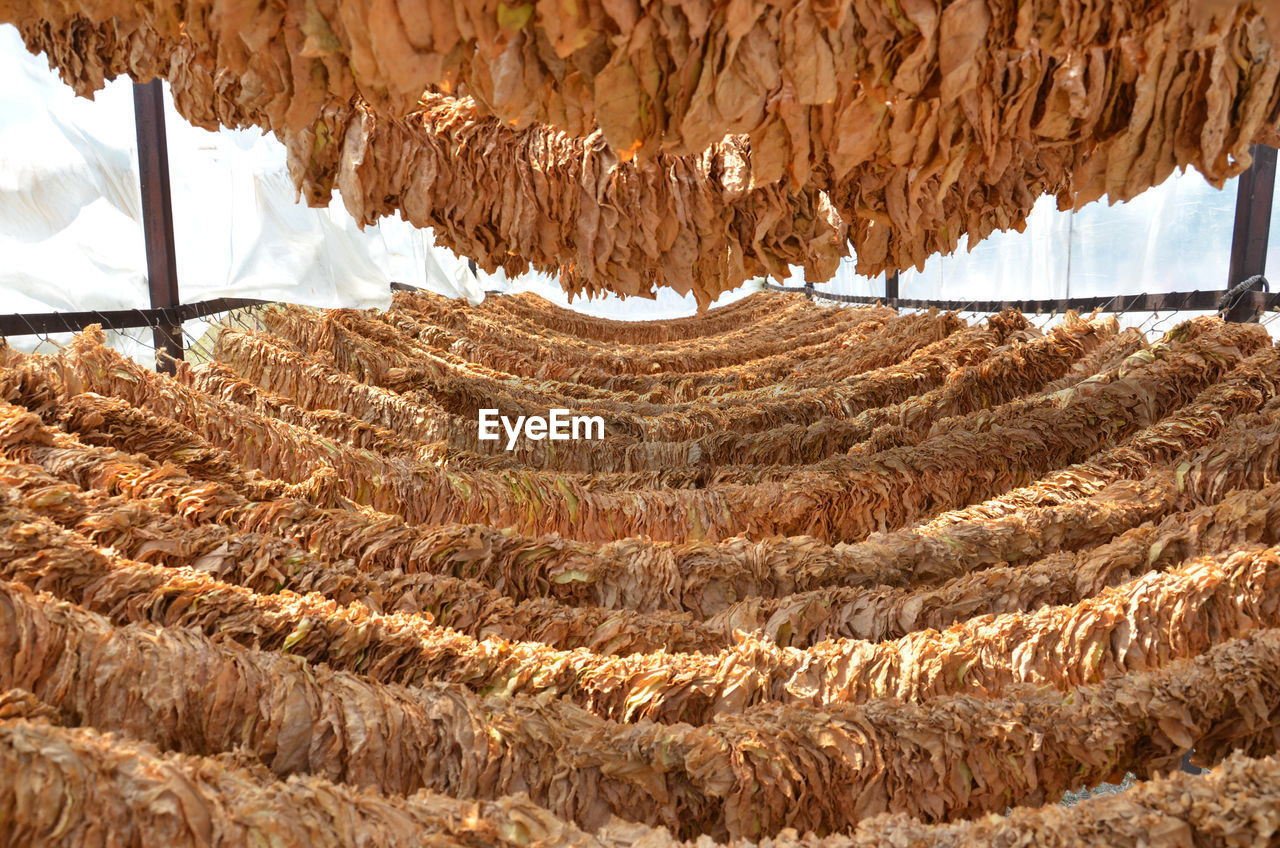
point(891, 286)
point(1254, 196)
point(157, 217)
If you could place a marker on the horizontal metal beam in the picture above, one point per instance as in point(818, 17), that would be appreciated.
point(1207, 301)
point(891, 284)
point(405, 287)
point(43, 323)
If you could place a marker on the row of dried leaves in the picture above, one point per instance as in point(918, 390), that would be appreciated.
point(159, 496)
point(742, 775)
point(1181, 613)
point(78, 787)
point(842, 500)
point(634, 574)
point(311, 381)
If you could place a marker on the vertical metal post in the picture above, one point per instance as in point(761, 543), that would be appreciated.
point(157, 216)
point(891, 285)
point(1256, 190)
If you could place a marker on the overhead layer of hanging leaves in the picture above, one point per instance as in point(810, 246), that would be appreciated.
point(633, 147)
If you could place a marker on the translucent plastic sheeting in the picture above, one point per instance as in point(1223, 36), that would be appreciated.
point(1273, 243)
point(667, 304)
point(71, 218)
point(1174, 237)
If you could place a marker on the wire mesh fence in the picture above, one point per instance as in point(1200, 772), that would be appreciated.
point(1152, 314)
point(137, 341)
point(133, 332)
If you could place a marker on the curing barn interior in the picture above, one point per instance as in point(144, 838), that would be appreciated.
point(611, 423)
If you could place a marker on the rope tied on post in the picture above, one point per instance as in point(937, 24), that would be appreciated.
point(1235, 305)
